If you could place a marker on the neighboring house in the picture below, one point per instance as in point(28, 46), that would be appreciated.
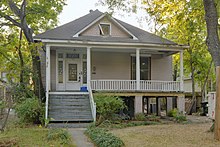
point(188, 95)
point(102, 54)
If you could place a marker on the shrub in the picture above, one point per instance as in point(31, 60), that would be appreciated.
point(173, 113)
point(180, 118)
point(103, 138)
point(29, 111)
point(107, 106)
point(140, 116)
point(59, 134)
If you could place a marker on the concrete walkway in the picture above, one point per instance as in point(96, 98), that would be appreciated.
point(79, 138)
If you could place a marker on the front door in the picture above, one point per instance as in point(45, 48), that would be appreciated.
point(73, 75)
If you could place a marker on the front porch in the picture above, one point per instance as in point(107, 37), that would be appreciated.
point(115, 69)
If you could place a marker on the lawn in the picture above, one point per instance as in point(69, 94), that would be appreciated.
point(171, 135)
point(29, 136)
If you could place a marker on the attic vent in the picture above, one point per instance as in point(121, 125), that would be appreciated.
point(105, 29)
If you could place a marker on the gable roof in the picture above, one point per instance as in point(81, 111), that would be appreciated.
point(71, 30)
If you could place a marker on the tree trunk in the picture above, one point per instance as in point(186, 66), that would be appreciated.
point(36, 65)
point(37, 80)
point(213, 44)
point(203, 90)
point(21, 60)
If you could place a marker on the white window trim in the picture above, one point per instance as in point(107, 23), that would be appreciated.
point(110, 28)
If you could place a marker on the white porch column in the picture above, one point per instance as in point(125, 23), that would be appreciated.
point(88, 66)
point(138, 102)
point(181, 104)
point(169, 103)
point(138, 68)
point(47, 78)
point(181, 71)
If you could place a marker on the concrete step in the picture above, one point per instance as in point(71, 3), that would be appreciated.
point(68, 125)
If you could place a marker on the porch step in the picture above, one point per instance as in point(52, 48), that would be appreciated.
point(69, 107)
point(69, 125)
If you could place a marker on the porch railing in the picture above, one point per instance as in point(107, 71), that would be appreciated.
point(92, 103)
point(113, 85)
point(131, 85)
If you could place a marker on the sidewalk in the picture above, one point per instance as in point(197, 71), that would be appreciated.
point(80, 139)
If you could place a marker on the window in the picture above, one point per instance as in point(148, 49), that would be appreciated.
point(72, 56)
point(72, 72)
point(104, 29)
point(144, 68)
point(84, 72)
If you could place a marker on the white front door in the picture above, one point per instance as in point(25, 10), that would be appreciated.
point(73, 75)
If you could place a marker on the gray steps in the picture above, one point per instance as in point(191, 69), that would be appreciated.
point(69, 125)
point(69, 108)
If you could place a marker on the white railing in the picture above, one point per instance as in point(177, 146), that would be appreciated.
point(92, 103)
point(113, 85)
point(159, 85)
point(131, 85)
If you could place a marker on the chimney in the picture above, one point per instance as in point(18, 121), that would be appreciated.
point(90, 11)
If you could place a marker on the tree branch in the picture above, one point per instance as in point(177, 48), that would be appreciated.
point(9, 18)
point(14, 8)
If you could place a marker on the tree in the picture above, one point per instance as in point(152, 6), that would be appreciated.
point(213, 43)
point(182, 22)
point(31, 17)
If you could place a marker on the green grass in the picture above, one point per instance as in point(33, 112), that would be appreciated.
point(29, 136)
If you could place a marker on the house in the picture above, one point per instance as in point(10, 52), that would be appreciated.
point(99, 53)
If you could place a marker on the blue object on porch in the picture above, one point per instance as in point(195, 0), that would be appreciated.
point(83, 89)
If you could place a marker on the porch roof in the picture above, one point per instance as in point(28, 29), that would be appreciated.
point(68, 32)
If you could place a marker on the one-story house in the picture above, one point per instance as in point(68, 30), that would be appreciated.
point(99, 53)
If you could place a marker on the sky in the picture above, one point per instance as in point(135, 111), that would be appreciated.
point(75, 9)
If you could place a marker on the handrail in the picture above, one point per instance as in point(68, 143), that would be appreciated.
point(92, 103)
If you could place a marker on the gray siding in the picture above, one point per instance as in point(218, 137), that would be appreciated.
point(111, 65)
point(115, 30)
point(161, 68)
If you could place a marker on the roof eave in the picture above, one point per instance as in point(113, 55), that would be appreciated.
point(110, 44)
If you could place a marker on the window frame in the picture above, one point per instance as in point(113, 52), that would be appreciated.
point(101, 29)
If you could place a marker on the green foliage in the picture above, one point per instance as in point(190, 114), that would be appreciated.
point(173, 113)
point(180, 118)
point(30, 111)
point(140, 116)
point(59, 134)
point(112, 125)
point(107, 106)
point(103, 138)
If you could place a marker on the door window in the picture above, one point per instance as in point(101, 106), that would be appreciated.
point(72, 72)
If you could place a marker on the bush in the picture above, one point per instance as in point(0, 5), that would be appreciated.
point(30, 111)
point(59, 134)
point(107, 106)
point(103, 138)
point(180, 118)
point(140, 116)
point(173, 113)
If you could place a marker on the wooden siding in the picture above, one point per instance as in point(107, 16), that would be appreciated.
point(110, 65)
point(161, 68)
point(115, 30)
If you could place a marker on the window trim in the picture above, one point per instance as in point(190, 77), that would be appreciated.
point(110, 28)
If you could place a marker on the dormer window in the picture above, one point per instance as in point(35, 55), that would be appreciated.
point(105, 29)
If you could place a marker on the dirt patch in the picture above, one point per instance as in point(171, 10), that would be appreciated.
point(170, 135)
